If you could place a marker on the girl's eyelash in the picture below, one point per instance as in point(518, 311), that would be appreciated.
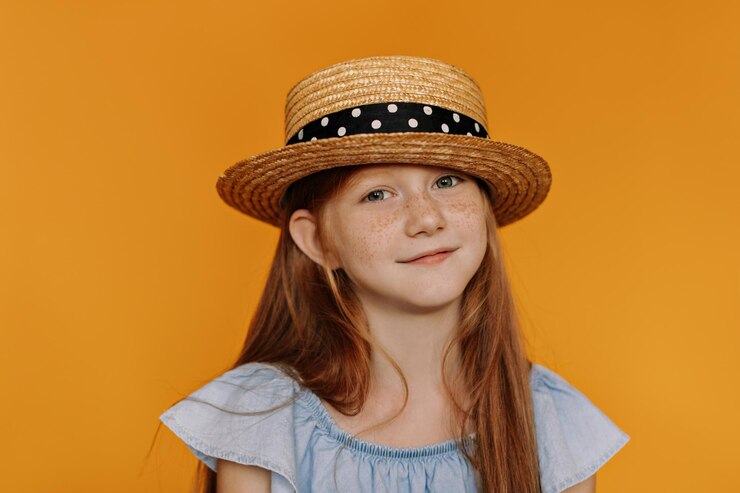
point(454, 176)
point(364, 199)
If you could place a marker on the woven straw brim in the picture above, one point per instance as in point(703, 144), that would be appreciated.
point(520, 178)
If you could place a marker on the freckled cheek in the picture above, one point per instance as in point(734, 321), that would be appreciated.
point(361, 246)
point(469, 213)
point(368, 238)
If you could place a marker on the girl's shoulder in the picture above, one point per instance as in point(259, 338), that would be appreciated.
point(259, 415)
point(242, 415)
point(574, 437)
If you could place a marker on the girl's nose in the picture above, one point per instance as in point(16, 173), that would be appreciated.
point(423, 215)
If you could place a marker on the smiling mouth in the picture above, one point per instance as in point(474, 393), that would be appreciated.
point(432, 258)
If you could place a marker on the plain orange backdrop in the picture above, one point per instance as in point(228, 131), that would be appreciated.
point(127, 283)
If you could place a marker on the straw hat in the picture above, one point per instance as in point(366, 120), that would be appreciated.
point(387, 109)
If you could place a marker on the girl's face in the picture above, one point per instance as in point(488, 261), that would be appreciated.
point(387, 215)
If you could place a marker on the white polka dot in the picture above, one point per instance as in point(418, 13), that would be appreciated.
point(477, 127)
point(313, 138)
point(341, 131)
point(375, 124)
point(392, 108)
point(469, 134)
point(413, 123)
point(428, 110)
point(300, 134)
point(445, 128)
point(456, 117)
point(356, 112)
point(325, 121)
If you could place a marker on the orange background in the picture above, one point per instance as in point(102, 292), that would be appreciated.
point(127, 283)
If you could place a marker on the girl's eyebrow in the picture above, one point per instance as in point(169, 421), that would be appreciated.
point(360, 179)
point(374, 176)
point(378, 175)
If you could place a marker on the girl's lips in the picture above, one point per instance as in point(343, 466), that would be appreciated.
point(432, 259)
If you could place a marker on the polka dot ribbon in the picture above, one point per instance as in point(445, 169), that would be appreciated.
point(389, 117)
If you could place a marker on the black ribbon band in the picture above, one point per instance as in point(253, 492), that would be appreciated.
point(389, 117)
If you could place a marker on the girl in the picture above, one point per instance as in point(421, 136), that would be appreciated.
point(385, 352)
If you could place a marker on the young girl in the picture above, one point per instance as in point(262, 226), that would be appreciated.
point(385, 352)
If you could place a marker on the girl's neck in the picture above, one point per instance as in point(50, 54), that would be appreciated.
point(416, 341)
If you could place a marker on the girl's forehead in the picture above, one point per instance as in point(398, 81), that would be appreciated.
point(364, 172)
point(398, 169)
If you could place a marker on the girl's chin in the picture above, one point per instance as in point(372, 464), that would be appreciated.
point(407, 297)
point(426, 304)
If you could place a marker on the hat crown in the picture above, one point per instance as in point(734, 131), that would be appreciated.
point(382, 79)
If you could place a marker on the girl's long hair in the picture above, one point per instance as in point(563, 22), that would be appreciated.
point(310, 324)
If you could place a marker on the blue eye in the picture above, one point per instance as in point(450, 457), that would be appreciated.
point(374, 197)
point(448, 180)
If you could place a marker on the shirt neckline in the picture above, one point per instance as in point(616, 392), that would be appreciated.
point(327, 423)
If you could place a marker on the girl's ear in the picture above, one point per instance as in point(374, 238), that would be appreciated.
point(303, 230)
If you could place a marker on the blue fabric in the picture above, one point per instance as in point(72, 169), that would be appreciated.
point(300, 442)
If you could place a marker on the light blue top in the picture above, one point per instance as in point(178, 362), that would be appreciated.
point(299, 443)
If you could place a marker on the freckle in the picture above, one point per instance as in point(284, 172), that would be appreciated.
point(470, 211)
point(369, 235)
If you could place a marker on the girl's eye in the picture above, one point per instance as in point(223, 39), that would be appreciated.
point(447, 181)
point(375, 195)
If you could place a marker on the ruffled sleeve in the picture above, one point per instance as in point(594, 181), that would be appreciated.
point(261, 439)
point(574, 437)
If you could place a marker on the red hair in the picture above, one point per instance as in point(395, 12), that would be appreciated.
point(310, 323)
